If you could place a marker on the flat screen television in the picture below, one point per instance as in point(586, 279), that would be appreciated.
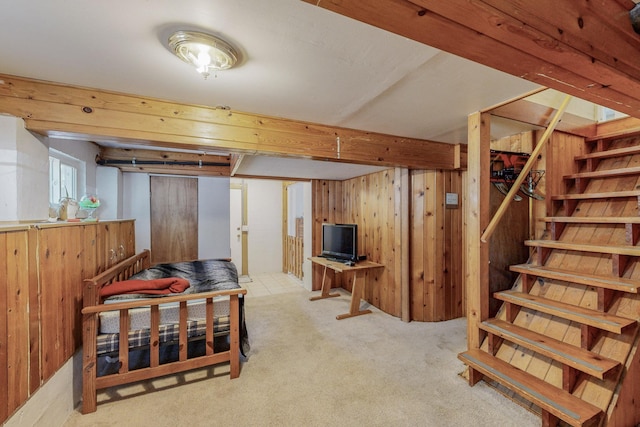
point(340, 241)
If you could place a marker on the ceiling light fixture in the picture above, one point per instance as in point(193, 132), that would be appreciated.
point(205, 52)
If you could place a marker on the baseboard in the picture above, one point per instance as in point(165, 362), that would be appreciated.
point(55, 400)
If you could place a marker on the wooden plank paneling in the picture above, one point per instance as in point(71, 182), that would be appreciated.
point(41, 271)
point(35, 362)
point(505, 246)
point(327, 202)
point(436, 247)
point(456, 218)
point(4, 329)
point(61, 270)
point(418, 245)
point(431, 262)
point(50, 255)
point(368, 201)
point(15, 351)
point(560, 151)
point(431, 236)
point(401, 246)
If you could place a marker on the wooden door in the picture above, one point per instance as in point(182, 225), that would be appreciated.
point(174, 219)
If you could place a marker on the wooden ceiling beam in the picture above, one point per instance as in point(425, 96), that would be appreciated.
point(71, 112)
point(532, 113)
point(586, 49)
point(236, 161)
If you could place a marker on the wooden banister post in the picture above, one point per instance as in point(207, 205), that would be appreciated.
point(477, 217)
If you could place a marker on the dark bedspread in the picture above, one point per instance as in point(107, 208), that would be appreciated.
point(203, 276)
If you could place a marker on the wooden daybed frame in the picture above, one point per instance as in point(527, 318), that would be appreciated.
point(92, 306)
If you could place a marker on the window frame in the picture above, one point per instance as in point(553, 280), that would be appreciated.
point(58, 160)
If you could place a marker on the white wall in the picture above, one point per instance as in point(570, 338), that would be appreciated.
point(24, 173)
point(8, 169)
point(109, 191)
point(136, 203)
point(264, 220)
point(299, 205)
point(295, 205)
point(213, 218)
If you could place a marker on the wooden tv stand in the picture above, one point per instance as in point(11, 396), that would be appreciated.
point(357, 291)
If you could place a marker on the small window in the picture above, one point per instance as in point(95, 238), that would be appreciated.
point(63, 176)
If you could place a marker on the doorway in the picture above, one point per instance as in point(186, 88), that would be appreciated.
point(238, 227)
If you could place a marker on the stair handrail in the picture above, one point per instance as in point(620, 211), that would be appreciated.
point(525, 171)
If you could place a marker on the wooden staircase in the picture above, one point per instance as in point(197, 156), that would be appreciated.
point(565, 338)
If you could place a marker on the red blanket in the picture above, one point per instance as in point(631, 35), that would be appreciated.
point(165, 286)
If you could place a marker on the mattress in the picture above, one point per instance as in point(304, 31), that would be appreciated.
point(169, 333)
point(140, 318)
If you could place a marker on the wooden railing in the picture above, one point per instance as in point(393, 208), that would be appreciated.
point(294, 256)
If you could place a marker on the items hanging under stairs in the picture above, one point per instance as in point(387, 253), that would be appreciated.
point(505, 169)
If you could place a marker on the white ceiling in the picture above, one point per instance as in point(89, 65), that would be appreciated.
point(298, 62)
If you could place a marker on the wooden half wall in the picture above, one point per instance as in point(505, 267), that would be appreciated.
point(42, 267)
point(418, 240)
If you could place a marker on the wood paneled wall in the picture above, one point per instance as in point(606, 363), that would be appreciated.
point(558, 160)
point(435, 290)
point(15, 323)
point(370, 202)
point(41, 277)
point(437, 279)
point(326, 207)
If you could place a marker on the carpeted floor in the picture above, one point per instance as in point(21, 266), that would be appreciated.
point(308, 369)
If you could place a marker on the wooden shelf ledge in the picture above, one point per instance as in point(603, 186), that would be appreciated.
point(593, 219)
point(552, 400)
point(584, 316)
point(576, 357)
point(619, 152)
point(610, 173)
point(585, 247)
point(602, 195)
point(614, 283)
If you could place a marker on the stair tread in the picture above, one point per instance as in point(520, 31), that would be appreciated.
point(618, 152)
point(554, 400)
point(616, 283)
point(593, 219)
point(585, 247)
point(605, 173)
point(601, 195)
point(597, 319)
point(570, 355)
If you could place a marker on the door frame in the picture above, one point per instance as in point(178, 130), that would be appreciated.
point(244, 232)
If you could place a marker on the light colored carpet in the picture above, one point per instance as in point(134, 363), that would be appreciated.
point(308, 369)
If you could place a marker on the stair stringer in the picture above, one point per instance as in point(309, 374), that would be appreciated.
point(623, 410)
